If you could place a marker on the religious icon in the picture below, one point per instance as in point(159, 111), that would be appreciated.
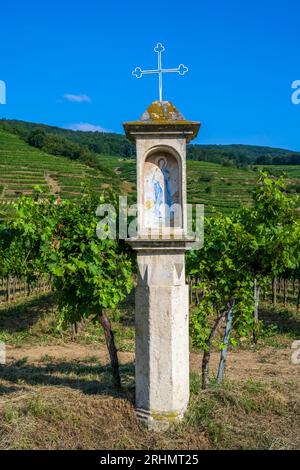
point(161, 191)
point(162, 194)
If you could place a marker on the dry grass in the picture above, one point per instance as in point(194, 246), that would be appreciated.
point(55, 405)
point(57, 394)
point(249, 415)
point(70, 404)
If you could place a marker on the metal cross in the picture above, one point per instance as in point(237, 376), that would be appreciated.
point(159, 48)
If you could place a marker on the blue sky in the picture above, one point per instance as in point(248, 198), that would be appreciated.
point(69, 63)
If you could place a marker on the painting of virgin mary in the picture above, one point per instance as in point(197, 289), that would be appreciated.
point(160, 190)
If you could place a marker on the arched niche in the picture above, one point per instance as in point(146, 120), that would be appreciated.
point(162, 189)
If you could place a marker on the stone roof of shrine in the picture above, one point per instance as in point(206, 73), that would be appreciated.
point(162, 111)
point(162, 117)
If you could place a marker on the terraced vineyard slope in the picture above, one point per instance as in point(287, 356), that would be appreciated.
point(23, 167)
point(216, 186)
point(219, 187)
point(290, 171)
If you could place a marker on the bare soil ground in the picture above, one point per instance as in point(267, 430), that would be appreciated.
point(52, 183)
point(265, 364)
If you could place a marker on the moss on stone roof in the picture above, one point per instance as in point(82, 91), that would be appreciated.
point(161, 112)
point(162, 117)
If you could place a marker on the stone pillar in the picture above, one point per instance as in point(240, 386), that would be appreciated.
point(162, 300)
point(162, 336)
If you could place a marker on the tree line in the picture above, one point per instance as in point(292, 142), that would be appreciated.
point(84, 146)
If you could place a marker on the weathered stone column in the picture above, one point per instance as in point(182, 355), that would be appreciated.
point(162, 301)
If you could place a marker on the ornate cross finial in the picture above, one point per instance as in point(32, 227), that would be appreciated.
point(159, 49)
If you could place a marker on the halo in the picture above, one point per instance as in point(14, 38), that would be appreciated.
point(158, 159)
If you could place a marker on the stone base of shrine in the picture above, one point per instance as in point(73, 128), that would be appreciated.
point(162, 335)
point(157, 421)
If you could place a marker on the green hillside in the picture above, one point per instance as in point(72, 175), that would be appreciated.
point(290, 171)
point(23, 167)
point(216, 186)
point(207, 183)
point(118, 145)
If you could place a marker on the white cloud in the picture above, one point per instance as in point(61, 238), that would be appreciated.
point(77, 98)
point(86, 127)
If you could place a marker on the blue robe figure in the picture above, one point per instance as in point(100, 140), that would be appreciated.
point(168, 197)
point(158, 197)
point(158, 190)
